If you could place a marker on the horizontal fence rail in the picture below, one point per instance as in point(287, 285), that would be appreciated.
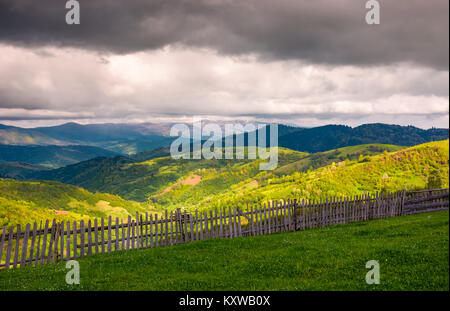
point(55, 241)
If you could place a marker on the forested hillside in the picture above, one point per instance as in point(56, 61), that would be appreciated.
point(51, 156)
point(329, 137)
point(24, 202)
point(139, 180)
point(420, 167)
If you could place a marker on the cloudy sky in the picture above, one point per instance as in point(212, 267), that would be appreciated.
point(293, 61)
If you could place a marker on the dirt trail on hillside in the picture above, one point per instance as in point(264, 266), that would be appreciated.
point(190, 180)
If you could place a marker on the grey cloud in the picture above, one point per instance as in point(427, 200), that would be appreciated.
point(319, 31)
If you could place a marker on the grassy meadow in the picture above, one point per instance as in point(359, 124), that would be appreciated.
point(412, 252)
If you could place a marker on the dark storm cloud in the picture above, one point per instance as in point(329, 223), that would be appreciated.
point(318, 31)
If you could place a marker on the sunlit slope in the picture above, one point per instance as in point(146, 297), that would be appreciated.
point(217, 188)
point(316, 160)
point(140, 180)
point(24, 202)
point(408, 168)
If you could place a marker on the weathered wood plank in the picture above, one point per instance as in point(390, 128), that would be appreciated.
point(177, 227)
point(96, 236)
point(133, 229)
point(213, 228)
point(185, 225)
point(16, 250)
point(171, 229)
point(2, 241)
point(167, 228)
point(206, 225)
point(239, 226)
point(304, 207)
point(146, 229)
point(191, 227)
point(197, 233)
point(137, 225)
point(8, 250)
point(89, 236)
point(109, 234)
point(128, 232)
point(52, 238)
point(67, 241)
point(123, 239)
point(62, 240)
point(82, 238)
point(201, 225)
point(33, 241)
point(102, 234)
point(222, 223)
point(116, 248)
point(75, 251)
point(216, 224)
point(252, 222)
point(230, 222)
point(151, 230)
point(264, 218)
point(44, 242)
point(156, 231)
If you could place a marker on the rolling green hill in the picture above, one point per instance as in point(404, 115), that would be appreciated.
point(412, 252)
point(316, 160)
point(24, 202)
point(410, 168)
point(139, 180)
point(204, 183)
point(166, 183)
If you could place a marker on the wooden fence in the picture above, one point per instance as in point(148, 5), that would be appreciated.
point(56, 241)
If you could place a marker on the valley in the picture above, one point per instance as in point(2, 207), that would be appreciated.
point(124, 185)
point(107, 176)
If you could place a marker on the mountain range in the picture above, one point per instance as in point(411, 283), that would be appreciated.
point(119, 138)
point(24, 152)
point(111, 186)
point(51, 156)
point(329, 137)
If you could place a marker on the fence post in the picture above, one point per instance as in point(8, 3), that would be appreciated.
point(402, 204)
point(56, 238)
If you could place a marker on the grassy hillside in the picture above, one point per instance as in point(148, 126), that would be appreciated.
point(408, 168)
point(412, 252)
point(316, 160)
point(24, 202)
point(205, 184)
point(140, 180)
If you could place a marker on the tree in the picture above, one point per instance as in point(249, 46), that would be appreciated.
point(434, 180)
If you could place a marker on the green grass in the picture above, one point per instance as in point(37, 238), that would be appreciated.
point(319, 159)
point(412, 251)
